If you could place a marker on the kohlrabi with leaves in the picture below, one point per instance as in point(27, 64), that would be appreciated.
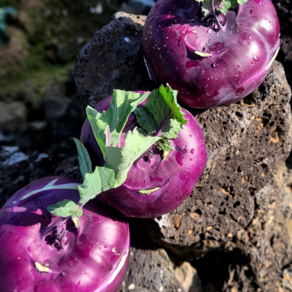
point(214, 52)
point(84, 251)
point(148, 152)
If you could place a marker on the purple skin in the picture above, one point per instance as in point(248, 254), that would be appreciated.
point(175, 176)
point(241, 48)
point(91, 258)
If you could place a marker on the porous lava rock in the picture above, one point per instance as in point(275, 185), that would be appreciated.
point(284, 11)
point(265, 242)
point(246, 143)
point(112, 60)
point(150, 271)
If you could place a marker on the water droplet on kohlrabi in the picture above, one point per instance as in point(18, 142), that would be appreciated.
point(215, 65)
point(206, 86)
point(46, 263)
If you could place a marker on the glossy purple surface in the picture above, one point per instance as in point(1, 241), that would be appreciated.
point(240, 53)
point(175, 176)
point(91, 258)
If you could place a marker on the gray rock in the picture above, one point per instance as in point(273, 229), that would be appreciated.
point(16, 158)
point(112, 59)
point(6, 138)
point(246, 143)
point(55, 102)
point(12, 115)
point(187, 275)
point(150, 271)
point(265, 242)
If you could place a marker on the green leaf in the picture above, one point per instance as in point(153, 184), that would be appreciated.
point(224, 6)
point(206, 7)
point(115, 117)
point(146, 120)
point(240, 2)
point(118, 164)
point(164, 145)
point(127, 102)
point(101, 180)
point(171, 129)
point(162, 103)
point(83, 158)
point(233, 3)
point(93, 118)
point(65, 208)
point(162, 116)
point(121, 159)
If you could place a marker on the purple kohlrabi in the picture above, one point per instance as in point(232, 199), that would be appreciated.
point(43, 253)
point(159, 181)
point(211, 58)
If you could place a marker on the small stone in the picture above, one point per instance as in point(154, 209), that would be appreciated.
point(12, 115)
point(189, 278)
point(16, 158)
point(132, 286)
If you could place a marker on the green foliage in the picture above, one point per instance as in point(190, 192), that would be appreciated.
point(162, 116)
point(221, 6)
point(65, 208)
point(85, 164)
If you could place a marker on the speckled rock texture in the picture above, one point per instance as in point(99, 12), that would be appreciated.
point(246, 143)
point(239, 206)
point(284, 11)
point(265, 242)
point(150, 271)
point(112, 60)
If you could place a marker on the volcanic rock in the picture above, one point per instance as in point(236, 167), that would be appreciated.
point(112, 60)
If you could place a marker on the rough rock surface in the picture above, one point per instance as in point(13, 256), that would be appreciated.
point(265, 242)
point(12, 115)
point(232, 208)
point(112, 60)
point(150, 271)
point(246, 142)
point(17, 168)
point(284, 11)
point(188, 276)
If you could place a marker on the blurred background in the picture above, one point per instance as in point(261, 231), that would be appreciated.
point(39, 41)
